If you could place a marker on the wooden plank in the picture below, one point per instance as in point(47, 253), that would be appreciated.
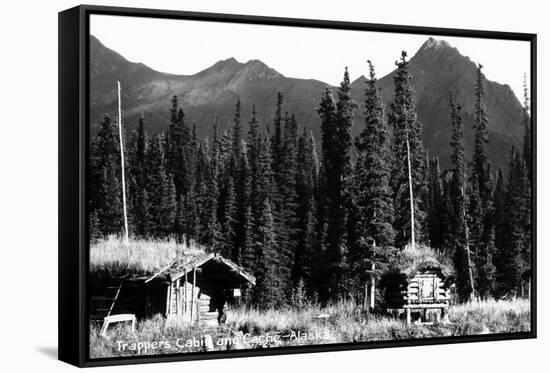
point(162, 270)
point(238, 270)
point(185, 294)
point(209, 316)
point(178, 300)
point(118, 318)
point(193, 294)
point(168, 294)
point(426, 305)
point(180, 293)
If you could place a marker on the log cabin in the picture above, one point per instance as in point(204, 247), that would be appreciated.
point(194, 288)
point(417, 287)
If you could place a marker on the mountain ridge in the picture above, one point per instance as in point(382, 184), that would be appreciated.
point(211, 94)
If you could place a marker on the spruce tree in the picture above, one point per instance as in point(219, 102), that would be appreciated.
point(308, 248)
point(141, 214)
point(459, 241)
point(265, 241)
point(210, 233)
point(512, 259)
point(527, 148)
point(253, 154)
point(436, 229)
point(168, 206)
point(161, 190)
point(180, 220)
point(372, 171)
point(407, 147)
point(190, 214)
point(307, 175)
point(268, 291)
point(176, 142)
point(307, 168)
point(139, 198)
point(139, 153)
point(266, 189)
point(105, 188)
point(327, 112)
point(236, 136)
point(228, 224)
point(448, 214)
point(249, 254)
point(277, 136)
point(288, 230)
point(500, 210)
point(485, 279)
point(528, 185)
point(242, 195)
point(481, 169)
point(200, 190)
point(337, 143)
point(481, 199)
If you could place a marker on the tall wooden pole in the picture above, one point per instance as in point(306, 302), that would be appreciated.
point(122, 165)
point(372, 287)
point(410, 193)
point(467, 240)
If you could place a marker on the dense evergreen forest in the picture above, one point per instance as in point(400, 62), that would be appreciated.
point(314, 217)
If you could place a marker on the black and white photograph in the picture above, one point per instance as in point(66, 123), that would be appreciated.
point(274, 187)
point(258, 187)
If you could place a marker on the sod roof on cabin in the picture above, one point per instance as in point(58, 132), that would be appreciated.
point(139, 257)
point(149, 259)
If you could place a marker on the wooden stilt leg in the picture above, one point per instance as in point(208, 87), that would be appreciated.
point(185, 295)
point(193, 295)
point(372, 288)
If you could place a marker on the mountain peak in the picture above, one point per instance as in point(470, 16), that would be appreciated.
point(228, 62)
point(228, 66)
point(254, 69)
point(432, 43)
point(438, 53)
point(257, 63)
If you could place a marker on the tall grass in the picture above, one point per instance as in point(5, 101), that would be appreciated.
point(491, 316)
point(140, 256)
point(339, 323)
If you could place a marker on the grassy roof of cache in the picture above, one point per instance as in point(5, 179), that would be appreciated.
point(422, 258)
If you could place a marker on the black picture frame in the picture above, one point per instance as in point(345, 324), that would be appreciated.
point(73, 156)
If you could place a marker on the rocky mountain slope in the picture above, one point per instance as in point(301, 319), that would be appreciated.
point(211, 94)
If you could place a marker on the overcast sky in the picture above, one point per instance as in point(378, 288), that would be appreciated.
point(187, 47)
